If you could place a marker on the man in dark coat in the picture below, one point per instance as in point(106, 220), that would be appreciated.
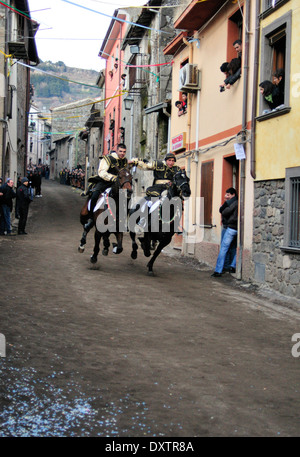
point(24, 200)
point(230, 214)
point(38, 183)
point(7, 196)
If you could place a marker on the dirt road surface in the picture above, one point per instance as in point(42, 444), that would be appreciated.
point(107, 351)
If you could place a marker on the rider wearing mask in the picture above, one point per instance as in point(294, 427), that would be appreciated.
point(109, 167)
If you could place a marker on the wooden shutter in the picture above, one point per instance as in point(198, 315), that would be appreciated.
point(207, 176)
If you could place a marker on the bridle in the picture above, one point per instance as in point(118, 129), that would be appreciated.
point(126, 181)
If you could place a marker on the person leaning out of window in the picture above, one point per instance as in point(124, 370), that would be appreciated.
point(271, 95)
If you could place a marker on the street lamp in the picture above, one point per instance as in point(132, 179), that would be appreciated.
point(128, 104)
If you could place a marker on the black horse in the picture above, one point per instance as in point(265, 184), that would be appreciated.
point(111, 217)
point(161, 219)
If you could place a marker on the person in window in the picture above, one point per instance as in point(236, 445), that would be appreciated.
point(178, 105)
point(184, 102)
point(234, 70)
point(278, 80)
point(237, 44)
point(271, 95)
point(224, 69)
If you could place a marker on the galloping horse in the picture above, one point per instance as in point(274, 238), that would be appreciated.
point(158, 226)
point(110, 217)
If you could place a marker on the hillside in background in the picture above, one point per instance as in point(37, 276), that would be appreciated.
point(50, 91)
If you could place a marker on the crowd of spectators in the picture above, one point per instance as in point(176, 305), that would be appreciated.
point(74, 177)
point(18, 196)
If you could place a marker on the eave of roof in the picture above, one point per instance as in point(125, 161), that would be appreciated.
point(197, 14)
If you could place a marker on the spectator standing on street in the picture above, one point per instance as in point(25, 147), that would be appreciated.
point(31, 185)
point(37, 184)
point(23, 198)
point(8, 194)
point(231, 253)
point(230, 213)
point(17, 215)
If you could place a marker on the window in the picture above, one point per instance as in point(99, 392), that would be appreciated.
point(271, 5)
point(132, 72)
point(276, 53)
point(292, 209)
point(235, 32)
point(207, 174)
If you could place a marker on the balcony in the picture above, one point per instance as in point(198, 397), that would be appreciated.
point(18, 50)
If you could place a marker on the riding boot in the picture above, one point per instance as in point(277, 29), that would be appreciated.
point(89, 225)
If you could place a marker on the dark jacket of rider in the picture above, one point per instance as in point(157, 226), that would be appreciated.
point(162, 175)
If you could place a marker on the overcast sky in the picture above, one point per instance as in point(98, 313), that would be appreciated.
point(72, 34)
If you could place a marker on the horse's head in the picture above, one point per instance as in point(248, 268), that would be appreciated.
point(181, 181)
point(124, 181)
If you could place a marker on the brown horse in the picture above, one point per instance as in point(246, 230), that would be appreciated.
point(110, 217)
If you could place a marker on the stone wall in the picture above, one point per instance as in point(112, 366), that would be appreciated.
point(273, 267)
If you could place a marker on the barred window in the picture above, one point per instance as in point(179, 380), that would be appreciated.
point(295, 212)
point(292, 209)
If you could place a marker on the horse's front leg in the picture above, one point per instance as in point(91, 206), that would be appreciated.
point(162, 244)
point(106, 244)
point(82, 242)
point(118, 247)
point(134, 246)
point(145, 244)
point(97, 238)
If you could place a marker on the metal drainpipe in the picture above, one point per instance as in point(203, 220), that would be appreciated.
point(196, 159)
point(255, 82)
point(243, 162)
point(186, 214)
point(5, 126)
point(190, 46)
point(169, 127)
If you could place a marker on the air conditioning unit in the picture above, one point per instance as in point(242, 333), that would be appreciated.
point(189, 78)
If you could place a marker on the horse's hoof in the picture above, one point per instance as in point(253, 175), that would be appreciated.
point(134, 255)
point(147, 253)
point(105, 252)
point(93, 259)
point(80, 249)
point(150, 273)
point(117, 250)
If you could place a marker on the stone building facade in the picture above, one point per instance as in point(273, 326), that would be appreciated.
point(273, 267)
point(67, 123)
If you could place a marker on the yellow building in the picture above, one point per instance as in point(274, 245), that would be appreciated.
point(276, 152)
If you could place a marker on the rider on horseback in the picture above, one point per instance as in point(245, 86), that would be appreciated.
point(108, 170)
point(164, 171)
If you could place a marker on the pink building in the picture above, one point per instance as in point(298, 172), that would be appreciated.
point(114, 84)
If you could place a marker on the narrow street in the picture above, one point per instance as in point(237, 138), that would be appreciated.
point(106, 351)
